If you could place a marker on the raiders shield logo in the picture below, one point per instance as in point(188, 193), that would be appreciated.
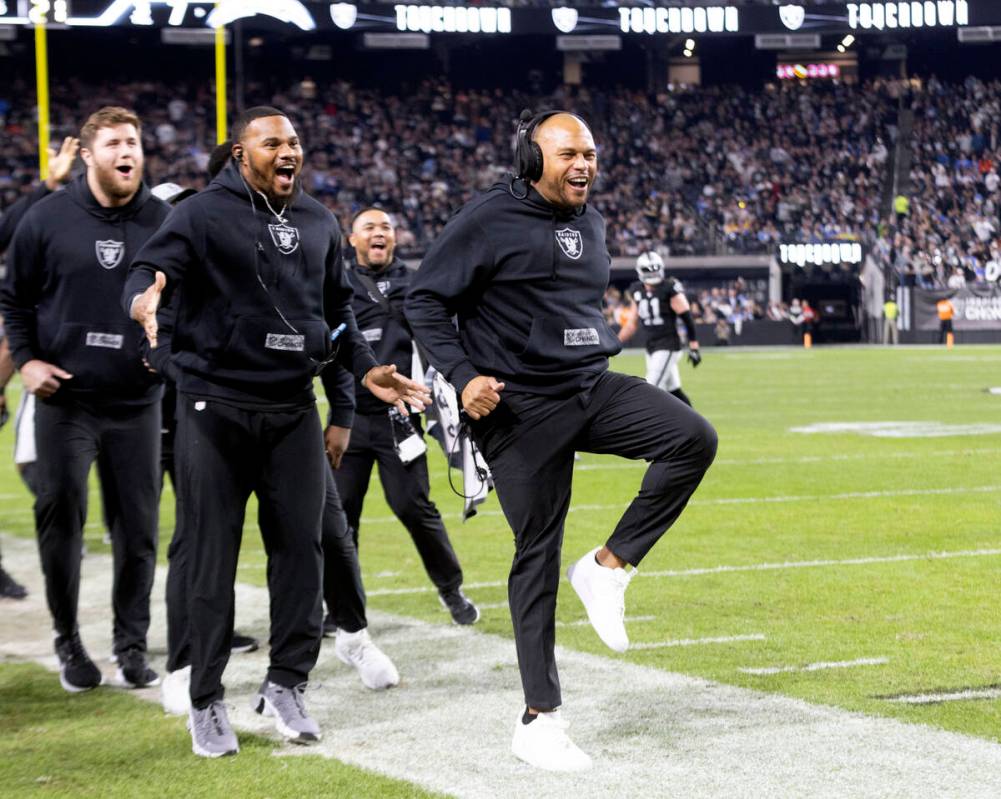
point(109, 253)
point(792, 16)
point(565, 19)
point(286, 238)
point(344, 15)
point(570, 242)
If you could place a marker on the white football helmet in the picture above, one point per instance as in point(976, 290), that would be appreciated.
point(650, 268)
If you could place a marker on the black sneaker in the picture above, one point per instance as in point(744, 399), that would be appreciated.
point(329, 627)
point(134, 671)
point(11, 588)
point(77, 671)
point(244, 643)
point(463, 611)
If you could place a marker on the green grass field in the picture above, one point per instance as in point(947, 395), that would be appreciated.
point(775, 498)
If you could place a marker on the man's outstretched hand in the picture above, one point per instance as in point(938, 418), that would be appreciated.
point(395, 389)
point(144, 307)
point(481, 395)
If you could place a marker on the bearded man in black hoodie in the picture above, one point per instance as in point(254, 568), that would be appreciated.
point(523, 269)
point(255, 267)
point(80, 356)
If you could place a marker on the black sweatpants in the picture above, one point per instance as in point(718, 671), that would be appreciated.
point(69, 438)
point(529, 442)
point(342, 585)
point(223, 454)
point(407, 490)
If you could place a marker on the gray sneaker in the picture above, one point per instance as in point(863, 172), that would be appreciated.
point(288, 710)
point(211, 734)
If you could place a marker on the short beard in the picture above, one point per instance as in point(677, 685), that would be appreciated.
point(110, 186)
point(256, 179)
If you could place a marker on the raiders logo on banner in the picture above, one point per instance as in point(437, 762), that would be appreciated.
point(792, 17)
point(286, 238)
point(571, 242)
point(344, 15)
point(565, 19)
point(109, 253)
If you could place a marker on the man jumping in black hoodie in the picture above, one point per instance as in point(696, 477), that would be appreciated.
point(261, 283)
point(79, 355)
point(523, 269)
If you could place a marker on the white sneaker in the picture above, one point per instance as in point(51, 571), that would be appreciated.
point(175, 692)
point(373, 665)
point(603, 592)
point(544, 744)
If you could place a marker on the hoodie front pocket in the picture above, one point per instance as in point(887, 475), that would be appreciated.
point(557, 340)
point(101, 355)
point(258, 343)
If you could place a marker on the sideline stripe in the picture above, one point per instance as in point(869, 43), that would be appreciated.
point(838, 664)
point(951, 696)
point(600, 467)
point(715, 743)
point(723, 639)
point(801, 564)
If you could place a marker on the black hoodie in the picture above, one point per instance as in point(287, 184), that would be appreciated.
point(258, 297)
point(66, 267)
point(388, 333)
point(525, 281)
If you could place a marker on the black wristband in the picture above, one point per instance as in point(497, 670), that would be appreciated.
point(689, 323)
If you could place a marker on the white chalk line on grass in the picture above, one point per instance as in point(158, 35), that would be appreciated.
point(750, 567)
point(859, 456)
point(949, 696)
point(822, 666)
point(721, 639)
point(650, 732)
point(813, 564)
point(725, 569)
point(586, 623)
point(903, 492)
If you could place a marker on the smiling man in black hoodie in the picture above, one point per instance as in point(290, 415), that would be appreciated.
point(261, 283)
point(79, 355)
point(523, 269)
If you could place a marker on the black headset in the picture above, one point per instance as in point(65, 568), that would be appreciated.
point(527, 153)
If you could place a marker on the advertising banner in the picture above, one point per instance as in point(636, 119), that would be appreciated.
point(973, 308)
point(631, 18)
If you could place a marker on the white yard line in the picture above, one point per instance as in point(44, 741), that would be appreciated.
point(822, 666)
point(492, 605)
point(749, 567)
point(586, 623)
point(949, 696)
point(848, 495)
point(722, 639)
point(814, 564)
point(858, 456)
point(447, 727)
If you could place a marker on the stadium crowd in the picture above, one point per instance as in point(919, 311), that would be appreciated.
point(691, 170)
point(678, 167)
point(950, 232)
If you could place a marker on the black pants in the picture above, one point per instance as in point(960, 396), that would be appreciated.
point(407, 490)
point(69, 438)
point(342, 585)
point(223, 454)
point(944, 329)
point(529, 442)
